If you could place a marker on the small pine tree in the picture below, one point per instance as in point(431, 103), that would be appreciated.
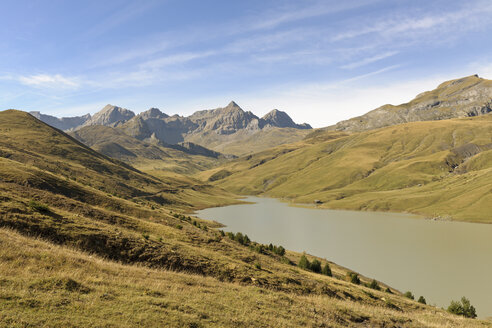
point(247, 241)
point(316, 266)
point(409, 295)
point(304, 263)
point(374, 285)
point(326, 270)
point(422, 300)
point(239, 238)
point(280, 251)
point(463, 308)
point(354, 278)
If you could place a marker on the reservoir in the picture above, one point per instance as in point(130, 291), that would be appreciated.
point(440, 260)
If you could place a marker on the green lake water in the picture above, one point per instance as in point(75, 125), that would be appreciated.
point(442, 261)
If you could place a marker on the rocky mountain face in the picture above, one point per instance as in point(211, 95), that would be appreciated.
point(465, 97)
point(282, 120)
point(207, 128)
point(64, 123)
point(109, 116)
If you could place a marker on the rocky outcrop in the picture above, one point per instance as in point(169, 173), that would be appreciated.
point(64, 123)
point(109, 116)
point(280, 119)
point(465, 97)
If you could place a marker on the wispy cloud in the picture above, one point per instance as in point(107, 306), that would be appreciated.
point(369, 60)
point(462, 19)
point(56, 81)
point(295, 13)
point(174, 59)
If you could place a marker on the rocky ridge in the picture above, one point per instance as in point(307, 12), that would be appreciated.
point(465, 97)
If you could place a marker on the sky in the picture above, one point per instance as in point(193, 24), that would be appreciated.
point(320, 61)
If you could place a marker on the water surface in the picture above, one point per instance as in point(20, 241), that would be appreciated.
point(442, 261)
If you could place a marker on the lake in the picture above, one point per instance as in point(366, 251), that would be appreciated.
point(442, 261)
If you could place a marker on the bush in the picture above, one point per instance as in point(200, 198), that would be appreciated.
point(222, 233)
point(463, 308)
point(374, 285)
point(247, 241)
point(354, 278)
point(146, 236)
point(316, 266)
point(179, 226)
point(38, 207)
point(279, 250)
point(326, 270)
point(422, 300)
point(258, 265)
point(304, 263)
point(387, 290)
point(409, 295)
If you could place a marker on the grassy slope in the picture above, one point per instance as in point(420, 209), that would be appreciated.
point(100, 206)
point(434, 168)
point(116, 144)
point(244, 142)
point(46, 286)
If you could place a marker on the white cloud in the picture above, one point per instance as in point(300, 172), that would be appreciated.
point(56, 81)
point(175, 59)
point(369, 60)
point(463, 19)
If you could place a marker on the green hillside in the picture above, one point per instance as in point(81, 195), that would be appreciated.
point(116, 144)
point(86, 240)
point(437, 168)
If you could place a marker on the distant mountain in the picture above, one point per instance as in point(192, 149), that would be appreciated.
point(109, 116)
point(282, 120)
point(465, 97)
point(64, 123)
point(205, 132)
point(113, 142)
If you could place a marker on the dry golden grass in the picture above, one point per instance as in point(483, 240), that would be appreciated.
point(43, 285)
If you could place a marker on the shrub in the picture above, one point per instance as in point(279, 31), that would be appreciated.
point(258, 265)
point(326, 270)
point(316, 266)
point(146, 236)
point(247, 241)
point(463, 308)
point(239, 238)
point(387, 290)
point(279, 250)
point(222, 233)
point(179, 226)
point(38, 207)
point(374, 285)
point(304, 263)
point(422, 300)
point(409, 295)
point(353, 278)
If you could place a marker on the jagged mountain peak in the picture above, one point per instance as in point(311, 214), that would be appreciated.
point(110, 115)
point(153, 113)
point(281, 119)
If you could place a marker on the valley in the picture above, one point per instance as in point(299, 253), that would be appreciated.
point(97, 218)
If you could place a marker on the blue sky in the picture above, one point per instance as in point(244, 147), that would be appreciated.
point(321, 61)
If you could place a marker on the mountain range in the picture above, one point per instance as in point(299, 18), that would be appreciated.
point(96, 219)
point(215, 127)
